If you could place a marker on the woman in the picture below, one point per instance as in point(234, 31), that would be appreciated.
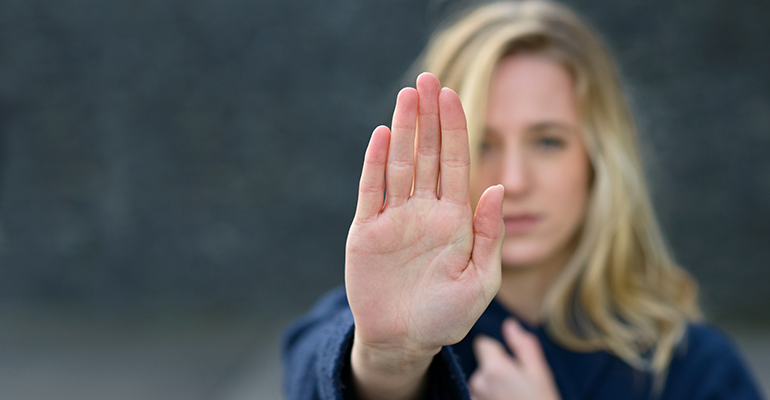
point(524, 186)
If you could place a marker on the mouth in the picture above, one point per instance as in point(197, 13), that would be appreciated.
point(519, 224)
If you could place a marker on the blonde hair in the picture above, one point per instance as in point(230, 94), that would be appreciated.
point(621, 290)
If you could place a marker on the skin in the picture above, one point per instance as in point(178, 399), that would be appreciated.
point(500, 376)
point(533, 145)
point(421, 267)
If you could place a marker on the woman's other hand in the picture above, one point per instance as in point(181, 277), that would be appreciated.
point(500, 376)
point(420, 268)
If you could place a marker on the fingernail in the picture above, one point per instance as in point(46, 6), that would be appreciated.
point(424, 73)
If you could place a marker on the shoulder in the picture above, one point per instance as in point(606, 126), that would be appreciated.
point(707, 365)
point(706, 345)
point(329, 306)
point(314, 349)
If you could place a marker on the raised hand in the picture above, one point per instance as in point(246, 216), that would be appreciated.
point(420, 268)
point(502, 377)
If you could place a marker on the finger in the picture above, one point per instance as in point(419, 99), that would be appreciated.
point(399, 170)
point(525, 346)
point(490, 354)
point(371, 188)
point(428, 146)
point(455, 156)
point(489, 231)
point(478, 386)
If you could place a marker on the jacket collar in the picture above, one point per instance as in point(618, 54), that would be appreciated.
point(577, 374)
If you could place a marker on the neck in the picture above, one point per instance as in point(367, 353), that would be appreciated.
point(524, 288)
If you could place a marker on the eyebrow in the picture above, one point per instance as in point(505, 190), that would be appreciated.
point(538, 127)
point(551, 125)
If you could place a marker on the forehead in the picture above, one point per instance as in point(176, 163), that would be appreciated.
point(530, 89)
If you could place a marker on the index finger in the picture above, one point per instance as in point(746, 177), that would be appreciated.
point(399, 170)
point(525, 345)
point(490, 353)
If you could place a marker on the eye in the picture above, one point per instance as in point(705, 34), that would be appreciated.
point(484, 146)
point(488, 144)
point(550, 143)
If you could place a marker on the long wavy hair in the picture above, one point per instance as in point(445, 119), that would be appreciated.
point(621, 291)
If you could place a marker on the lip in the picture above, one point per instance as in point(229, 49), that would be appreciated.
point(519, 224)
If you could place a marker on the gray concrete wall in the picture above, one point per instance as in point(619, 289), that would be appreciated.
point(204, 155)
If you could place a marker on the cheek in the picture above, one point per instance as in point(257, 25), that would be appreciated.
point(570, 189)
point(479, 181)
point(566, 191)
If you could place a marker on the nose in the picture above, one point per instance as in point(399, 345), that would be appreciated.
point(515, 175)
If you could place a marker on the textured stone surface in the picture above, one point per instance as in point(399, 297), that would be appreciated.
point(204, 154)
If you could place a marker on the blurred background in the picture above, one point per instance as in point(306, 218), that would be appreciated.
point(177, 177)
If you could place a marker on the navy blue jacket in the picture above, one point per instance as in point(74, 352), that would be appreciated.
point(316, 354)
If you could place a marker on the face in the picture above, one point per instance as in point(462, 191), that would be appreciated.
point(533, 146)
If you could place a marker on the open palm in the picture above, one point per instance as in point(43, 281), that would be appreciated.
point(420, 267)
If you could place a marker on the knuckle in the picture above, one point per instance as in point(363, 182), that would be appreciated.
point(454, 201)
point(428, 152)
point(370, 189)
point(456, 162)
point(402, 126)
point(400, 163)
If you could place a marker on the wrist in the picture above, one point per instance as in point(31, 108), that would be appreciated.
point(388, 371)
point(391, 360)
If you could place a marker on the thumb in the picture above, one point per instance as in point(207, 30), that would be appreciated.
point(489, 230)
point(525, 346)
